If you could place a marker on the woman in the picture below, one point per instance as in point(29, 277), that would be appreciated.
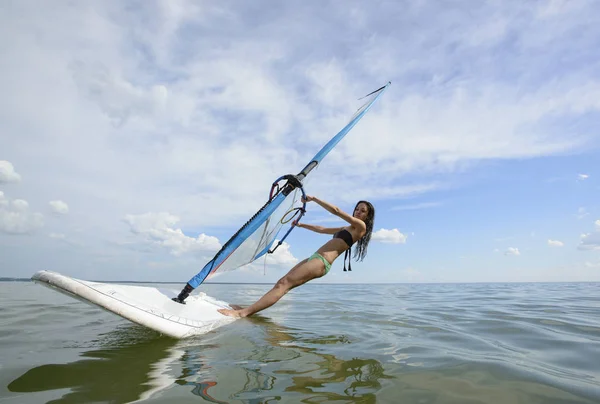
point(318, 264)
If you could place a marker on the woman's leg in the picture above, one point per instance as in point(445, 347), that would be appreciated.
point(301, 273)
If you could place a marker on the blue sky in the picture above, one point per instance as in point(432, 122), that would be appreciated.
point(136, 138)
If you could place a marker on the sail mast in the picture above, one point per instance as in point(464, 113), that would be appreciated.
point(256, 223)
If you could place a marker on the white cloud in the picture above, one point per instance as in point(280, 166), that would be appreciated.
point(590, 241)
point(512, 251)
point(157, 228)
point(118, 98)
point(8, 173)
point(282, 256)
point(592, 265)
point(59, 207)
point(582, 177)
point(15, 217)
point(392, 236)
point(281, 259)
point(555, 243)
point(20, 205)
point(59, 236)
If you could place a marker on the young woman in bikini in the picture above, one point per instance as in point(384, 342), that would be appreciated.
point(318, 264)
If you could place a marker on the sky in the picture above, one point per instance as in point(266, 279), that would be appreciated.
point(137, 137)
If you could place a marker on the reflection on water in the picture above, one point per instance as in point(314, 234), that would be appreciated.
point(195, 371)
point(131, 364)
point(323, 376)
point(116, 371)
point(275, 365)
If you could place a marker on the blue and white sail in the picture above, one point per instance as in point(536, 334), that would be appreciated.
point(256, 237)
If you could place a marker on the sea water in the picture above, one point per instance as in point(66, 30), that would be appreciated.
point(391, 343)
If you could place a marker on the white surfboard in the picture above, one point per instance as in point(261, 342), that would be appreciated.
point(147, 306)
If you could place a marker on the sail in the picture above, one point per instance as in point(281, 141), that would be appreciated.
point(284, 207)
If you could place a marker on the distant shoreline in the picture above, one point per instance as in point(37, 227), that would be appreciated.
point(153, 282)
point(8, 279)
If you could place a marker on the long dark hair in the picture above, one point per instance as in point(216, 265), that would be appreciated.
point(360, 252)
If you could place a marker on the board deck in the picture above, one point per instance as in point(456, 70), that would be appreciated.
point(148, 306)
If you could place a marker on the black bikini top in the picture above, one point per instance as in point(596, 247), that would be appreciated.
point(344, 235)
point(347, 237)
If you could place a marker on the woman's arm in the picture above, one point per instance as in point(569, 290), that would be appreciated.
point(357, 223)
point(319, 229)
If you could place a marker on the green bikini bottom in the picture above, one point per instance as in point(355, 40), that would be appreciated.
point(320, 257)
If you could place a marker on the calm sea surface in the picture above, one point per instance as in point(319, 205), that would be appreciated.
point(455, 343)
